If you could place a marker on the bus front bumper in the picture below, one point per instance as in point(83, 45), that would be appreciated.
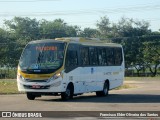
point(55, 86)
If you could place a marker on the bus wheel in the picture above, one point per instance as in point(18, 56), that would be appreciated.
point(30, 96)
point(104, 92)
point(68, 94)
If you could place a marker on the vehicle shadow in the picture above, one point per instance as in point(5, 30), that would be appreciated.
point(112, 98)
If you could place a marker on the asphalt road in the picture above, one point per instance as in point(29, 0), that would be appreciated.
point(145, 97)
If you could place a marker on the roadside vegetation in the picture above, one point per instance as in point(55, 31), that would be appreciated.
point(141, 44)
point(126, 86)
point(8, 87)
point(141, 78)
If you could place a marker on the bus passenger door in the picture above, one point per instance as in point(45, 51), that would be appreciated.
point(81, 83)
point(72, 68)
point(85, 78)
point(74, 77)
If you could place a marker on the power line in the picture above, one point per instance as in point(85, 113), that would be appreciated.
point(27, 1)
point(87, 12)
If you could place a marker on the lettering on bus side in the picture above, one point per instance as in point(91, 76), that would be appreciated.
point(115, 73)
point(107, 73)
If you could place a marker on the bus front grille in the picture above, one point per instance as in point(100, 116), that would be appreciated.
point(29, 80)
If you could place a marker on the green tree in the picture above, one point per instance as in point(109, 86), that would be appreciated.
point(89, 32)
point(23, 28)
point(133, 53)
point(57, 28)
point(105, 28)
point(151, 54)
point(128, 27)
point(8, 49)
point(3, 46)
point(131, 32)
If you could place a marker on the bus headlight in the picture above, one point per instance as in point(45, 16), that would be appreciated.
point(20, 77)
point(56, 76)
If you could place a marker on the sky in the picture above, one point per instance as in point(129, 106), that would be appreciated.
point(84, 13)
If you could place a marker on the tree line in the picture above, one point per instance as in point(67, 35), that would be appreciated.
point(141, 45)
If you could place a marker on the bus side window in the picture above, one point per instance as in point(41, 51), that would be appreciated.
point(110, 56)
point(118, 56)
point(102, 56)
point(84, 56)
point(93, 56)
point(71, 56)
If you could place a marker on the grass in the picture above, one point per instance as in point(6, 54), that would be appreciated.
point(142, 78)
point(8, 87)
point(128, 86)
point(125, 86)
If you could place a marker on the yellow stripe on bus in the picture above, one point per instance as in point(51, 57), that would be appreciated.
point(38, 76)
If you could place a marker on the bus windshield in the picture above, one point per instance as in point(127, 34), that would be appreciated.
point(42, 57)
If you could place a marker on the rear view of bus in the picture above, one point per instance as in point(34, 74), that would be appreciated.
point(70, 67)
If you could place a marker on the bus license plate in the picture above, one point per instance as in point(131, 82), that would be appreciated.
point(36, 86)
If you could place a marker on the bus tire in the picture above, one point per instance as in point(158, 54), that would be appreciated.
point(105, 90)
point(68, 94)
point(30, 96)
